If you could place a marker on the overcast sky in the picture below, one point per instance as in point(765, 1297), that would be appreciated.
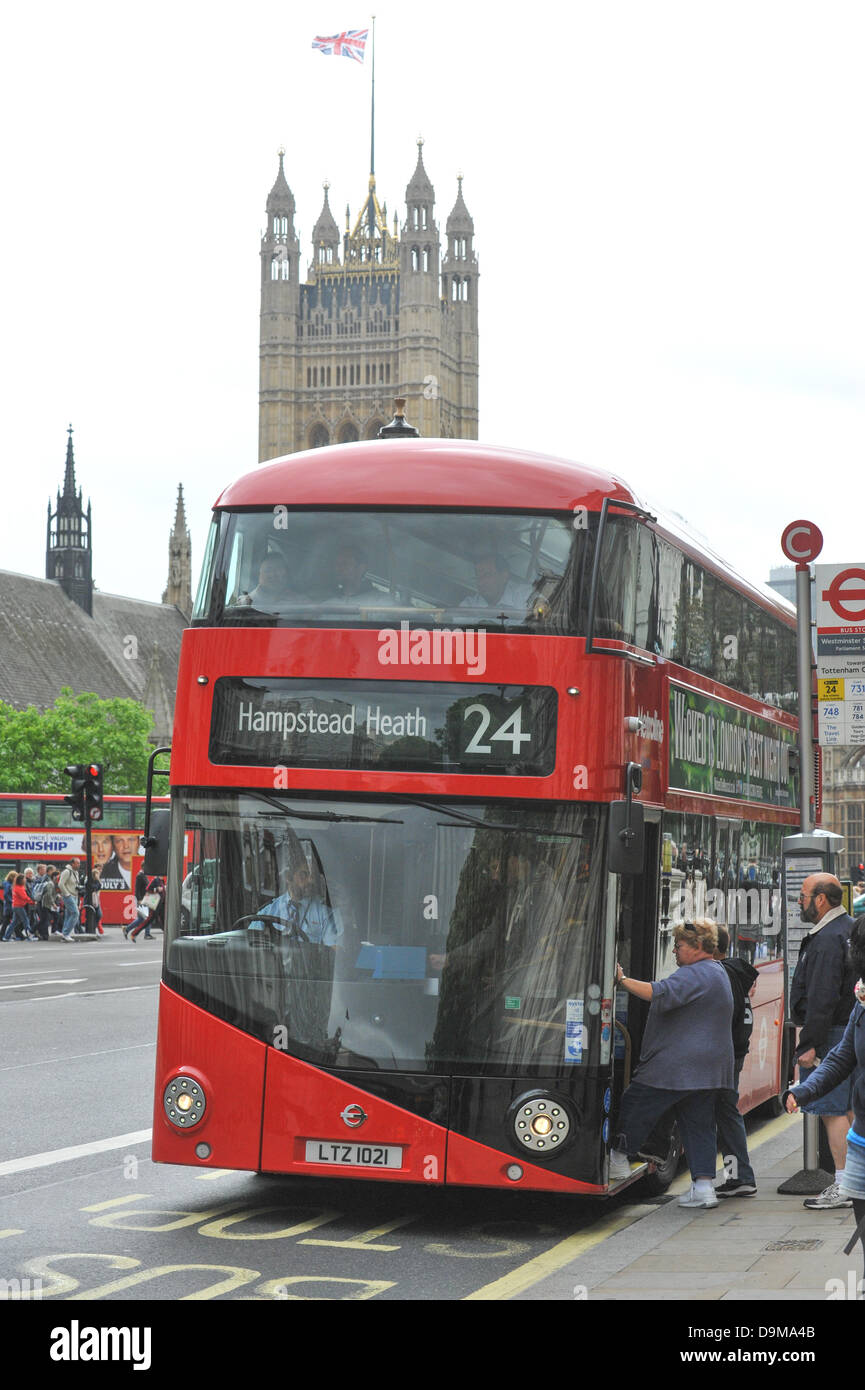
point(668, 206)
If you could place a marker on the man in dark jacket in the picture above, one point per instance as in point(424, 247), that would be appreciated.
point(846, 1061)
point(729, 1125)
point(820, 997)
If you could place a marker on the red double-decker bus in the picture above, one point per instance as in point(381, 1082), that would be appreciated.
point(38, 828)
point(457, 728)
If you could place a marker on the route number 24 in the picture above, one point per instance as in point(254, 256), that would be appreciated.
point(511, 731)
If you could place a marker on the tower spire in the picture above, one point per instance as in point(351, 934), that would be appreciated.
point(69, 478)
point(68, 557)
point(178, 591)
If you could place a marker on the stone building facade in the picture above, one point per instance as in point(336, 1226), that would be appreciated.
point(63, 631)
point(383, 312)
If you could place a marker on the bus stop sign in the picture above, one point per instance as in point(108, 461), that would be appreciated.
point(802, 542)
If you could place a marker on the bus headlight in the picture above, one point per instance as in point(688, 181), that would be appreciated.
point(540, 1123)
point(184, 1102)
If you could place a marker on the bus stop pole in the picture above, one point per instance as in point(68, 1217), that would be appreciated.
point(807, 804)
point(811, 1179)
point(804, 669)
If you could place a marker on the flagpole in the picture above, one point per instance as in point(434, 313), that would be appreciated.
point(372, 112)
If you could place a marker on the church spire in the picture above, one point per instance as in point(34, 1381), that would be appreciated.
point(68, 557)
point(178, 591)
point(69, 479)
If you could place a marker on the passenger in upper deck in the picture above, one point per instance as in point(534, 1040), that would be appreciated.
point(272, 591)
point(352, 584)
point(497, 590)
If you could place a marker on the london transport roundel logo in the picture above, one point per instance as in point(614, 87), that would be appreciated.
point(846, 595)
point(353, 1116)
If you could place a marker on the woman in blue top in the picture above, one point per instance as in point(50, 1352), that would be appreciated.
point(847, 1058)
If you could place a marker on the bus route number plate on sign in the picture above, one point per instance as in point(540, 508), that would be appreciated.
point(354, 1155)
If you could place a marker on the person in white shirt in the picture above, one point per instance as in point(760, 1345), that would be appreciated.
point(352, 584)
point(299, 908)
point(497, 592)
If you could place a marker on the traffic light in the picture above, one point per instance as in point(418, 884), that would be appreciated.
point(93, 790)
point(78, 791)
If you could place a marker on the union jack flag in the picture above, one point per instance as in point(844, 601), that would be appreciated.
point(351, 43)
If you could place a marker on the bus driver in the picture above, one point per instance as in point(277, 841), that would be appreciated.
point(299, 907)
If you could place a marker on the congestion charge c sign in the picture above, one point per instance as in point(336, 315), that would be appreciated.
point(801, 542)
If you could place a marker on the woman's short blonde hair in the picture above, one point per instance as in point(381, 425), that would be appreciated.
point(702, 934)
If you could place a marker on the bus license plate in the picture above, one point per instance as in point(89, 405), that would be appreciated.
point(354, 1155)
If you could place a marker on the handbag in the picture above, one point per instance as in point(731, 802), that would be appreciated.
point(151, 901)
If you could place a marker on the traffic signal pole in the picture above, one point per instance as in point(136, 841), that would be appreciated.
point(85, 798)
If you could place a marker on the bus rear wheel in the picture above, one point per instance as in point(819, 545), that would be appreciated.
point(654, 1184)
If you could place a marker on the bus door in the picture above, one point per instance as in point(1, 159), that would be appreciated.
point(637, 931)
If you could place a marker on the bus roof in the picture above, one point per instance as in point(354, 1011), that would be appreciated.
point(423, 473)
point(463, 473)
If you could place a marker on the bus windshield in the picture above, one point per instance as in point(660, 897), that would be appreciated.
point(395, 935)
point(289, 568)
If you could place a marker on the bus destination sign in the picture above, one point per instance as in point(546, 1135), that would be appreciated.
point(722, 750)
point(406, 726)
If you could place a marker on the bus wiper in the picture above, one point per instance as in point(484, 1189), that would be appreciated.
point(466, 819)
point(317, 815)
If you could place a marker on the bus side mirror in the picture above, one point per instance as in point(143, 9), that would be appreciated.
point(625, 838)
point(156, 843)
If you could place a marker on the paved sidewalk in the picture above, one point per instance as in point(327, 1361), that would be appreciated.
point(763, 1248)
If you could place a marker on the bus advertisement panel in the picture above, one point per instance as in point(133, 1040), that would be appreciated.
point(38, 829)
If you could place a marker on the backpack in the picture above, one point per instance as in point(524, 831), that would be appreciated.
point(743, 1014)
point(40, 889)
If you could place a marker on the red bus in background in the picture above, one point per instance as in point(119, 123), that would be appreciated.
point(36, 829)
point(457, 727)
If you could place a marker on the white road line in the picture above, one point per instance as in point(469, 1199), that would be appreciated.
point(76, 1056)
point(44, 1160)
point(49, 970)
point(16, 974)
point(81, 993)
point(31, 984)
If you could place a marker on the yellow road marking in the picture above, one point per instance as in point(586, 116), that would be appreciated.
point(554, 1259)
point(116, 1202)
point(573, 1246)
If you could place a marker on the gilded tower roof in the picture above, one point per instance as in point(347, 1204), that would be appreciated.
point(370, 243)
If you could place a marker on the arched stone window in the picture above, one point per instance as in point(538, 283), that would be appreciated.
point(318, 437)
point(347, 433)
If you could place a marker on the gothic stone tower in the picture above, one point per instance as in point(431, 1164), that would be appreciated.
point(389, 317)
point(68, 553)
point(179, 589)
